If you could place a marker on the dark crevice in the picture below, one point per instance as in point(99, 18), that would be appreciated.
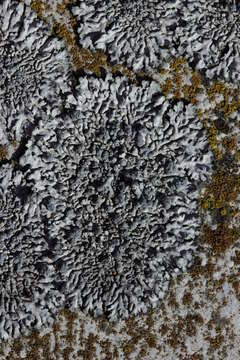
point(20, 151)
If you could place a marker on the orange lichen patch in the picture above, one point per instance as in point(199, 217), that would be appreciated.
point(221, 238)
point(177, 67)
point(164, 329)
point(198, 270)
point(177, 63)
point(70, 318)
point(38, 7)
point(3, 153)
point(89, 352)
point(182, 327)
point(221, 191)
point(16, 350)
point(172, 302)
point(230, 102)
point(194, 357)
point(191, 91)
point(167, 87)
point(84, 59)
point(61, 8)
point(215, 89)
point(191, 323)
point(230, 144)
point(175, 81)
point(187, 298)
point(38, 344)
point(62, 31)
point(236, 286)
point(108, 354)
point(215, 342)
point(196, 80)
point(81, 58)
point(138, 334)
point(211, 133)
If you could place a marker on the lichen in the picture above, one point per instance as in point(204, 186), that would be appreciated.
point(124, 192)
point(137, 33)
point(35, 73)
point(28, 297)
point(210, 38)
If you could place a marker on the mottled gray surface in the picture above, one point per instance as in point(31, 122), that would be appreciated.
point(99, 205)
point(27, 296)
point(117, 180)
point(143, 34)
point(137, 33)
point(35, 72)
point(210, 37)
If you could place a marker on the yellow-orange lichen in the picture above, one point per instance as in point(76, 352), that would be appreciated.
point(221, 191)
point(211, 132)
point(38, 7)
point(221, 238)
point(3, 153)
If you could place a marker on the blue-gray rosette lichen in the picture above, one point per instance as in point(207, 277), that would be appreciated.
point(137, 33)
point(210, 37)
point(117, 180)
point(35, 72)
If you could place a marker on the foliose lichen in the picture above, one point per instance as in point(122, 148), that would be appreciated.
point(35, 72)
point(118, 182)
point(136, 33)
point(28, 297)
point(210, 37)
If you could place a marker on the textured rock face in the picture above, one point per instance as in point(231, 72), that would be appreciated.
point(136, 32)
point(116, 181)
point(99, 207)
point(27, 297)
point(34, 71)
point(210, 37)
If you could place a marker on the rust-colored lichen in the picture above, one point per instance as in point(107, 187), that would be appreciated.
point(38, 7)
point(221, 238)
point(187, 298)
point(221, 191)
point(3, 153)
point(211, 132)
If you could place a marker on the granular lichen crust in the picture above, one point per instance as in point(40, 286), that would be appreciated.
point(117, 181)
point(210, 37)
point(27, 297)
point(35, 72)
point(137, 33)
